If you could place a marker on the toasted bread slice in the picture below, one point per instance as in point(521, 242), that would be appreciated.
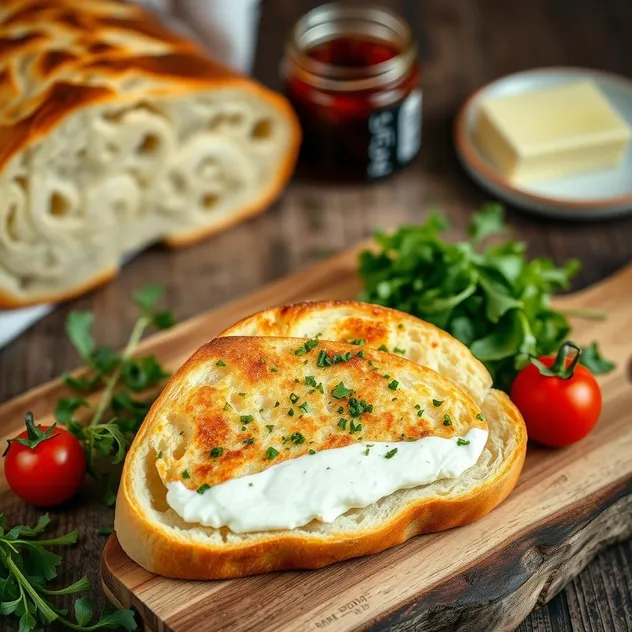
point(191, 417)
point(376, 327)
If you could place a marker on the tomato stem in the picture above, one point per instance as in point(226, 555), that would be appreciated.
point(559, 368)
point(35, 435)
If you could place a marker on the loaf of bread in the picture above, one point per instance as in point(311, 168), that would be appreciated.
point(115, 132)
point(237, 392)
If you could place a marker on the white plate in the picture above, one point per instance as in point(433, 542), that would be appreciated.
point(591, 195)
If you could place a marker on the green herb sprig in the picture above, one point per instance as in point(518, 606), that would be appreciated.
point(119, 411)
point(27, 566)
point(492, 299)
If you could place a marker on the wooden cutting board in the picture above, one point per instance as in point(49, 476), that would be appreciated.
point(568, 505)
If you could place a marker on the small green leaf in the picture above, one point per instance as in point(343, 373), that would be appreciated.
point(487, 222)
point(592, 359)
point(163, 320)
point(83, 611)
point(105, 531)
point(119, 619)
point(340, 391)
point(148, 296)
point(79, 331)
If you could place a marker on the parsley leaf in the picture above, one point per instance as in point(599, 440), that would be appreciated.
point(26, 567)
point(341, 391)
point(592, 359)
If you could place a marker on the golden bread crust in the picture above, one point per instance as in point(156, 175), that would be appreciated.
point(170, 550)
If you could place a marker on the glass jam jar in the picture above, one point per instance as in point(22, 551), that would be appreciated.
point(352, 74)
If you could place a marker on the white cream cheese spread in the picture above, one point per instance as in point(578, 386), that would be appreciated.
point(326, 484)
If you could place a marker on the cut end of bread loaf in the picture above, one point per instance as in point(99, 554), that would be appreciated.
point(120, 134)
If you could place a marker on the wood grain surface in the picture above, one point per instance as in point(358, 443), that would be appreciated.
point(463, 45)
point(567, 506)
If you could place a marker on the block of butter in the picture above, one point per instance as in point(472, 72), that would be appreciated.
point(553, 132)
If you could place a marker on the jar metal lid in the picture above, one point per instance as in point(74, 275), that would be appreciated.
point(338, 20)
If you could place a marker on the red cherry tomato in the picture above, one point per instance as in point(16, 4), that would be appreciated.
point(49, 469)
point(558, 410)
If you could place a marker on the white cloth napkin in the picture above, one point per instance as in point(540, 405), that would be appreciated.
point(228, 29)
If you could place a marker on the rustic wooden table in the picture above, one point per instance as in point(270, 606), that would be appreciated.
point(464, 44)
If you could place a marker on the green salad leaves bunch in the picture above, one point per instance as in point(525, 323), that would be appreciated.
point(491, 298)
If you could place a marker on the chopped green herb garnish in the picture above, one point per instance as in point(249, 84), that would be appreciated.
point(294, 398)
point(341, 391)
point(357, 341)
point(217, 452)
point(383, 348)
point(274, 369)
point(360, 354)
point(312, 452)
point(227, 406)
point(393, 385)
point(366, 452)
point(307, 347)
point(241, 394)
point(220, 363)
point(262, 361)
point(186, 474)
point(251, 484)
point(340, 410)
point(462, 441)
point(420, 412)
point(310, 380)
point(248, 441)
point(297, 438)
point(391, 453)
point(399, 350)
point(386, 376)
point(246, 419)
point(357, 408)
point(342, 423)
point(417, 406)
point(270, 427)
point(304, 407)
point(159, 455)
point(480, 416)
point(437, 402)
point(290, 412)
point(446, 420)
point(400, 326)
point(323, 359)
point(342, 357)
point(202, 488)
point(271, 453)
point(354, 427)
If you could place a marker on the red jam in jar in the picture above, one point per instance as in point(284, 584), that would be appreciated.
point(352, 75)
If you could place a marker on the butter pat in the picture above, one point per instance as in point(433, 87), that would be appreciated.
point(552, 133)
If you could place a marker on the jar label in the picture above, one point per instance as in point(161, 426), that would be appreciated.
point(394, 136)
